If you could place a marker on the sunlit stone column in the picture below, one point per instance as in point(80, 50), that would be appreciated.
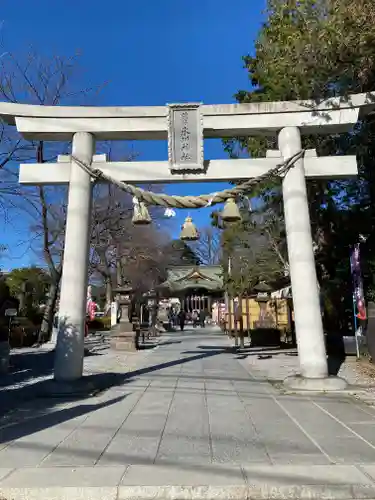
point(72, 310)
point(307, 313)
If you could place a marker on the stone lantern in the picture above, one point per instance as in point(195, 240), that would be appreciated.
point(123, 335)
point(152, 302)
point(263, 296)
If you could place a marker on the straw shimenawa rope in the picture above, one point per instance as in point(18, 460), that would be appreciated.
point(203, 200)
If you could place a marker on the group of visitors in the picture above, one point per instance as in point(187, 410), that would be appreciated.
point(173, 316)
point(196, 317)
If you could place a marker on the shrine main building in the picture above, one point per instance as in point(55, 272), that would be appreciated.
point(197, 287)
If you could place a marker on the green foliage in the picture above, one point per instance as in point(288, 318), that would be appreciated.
point(256, 249)
point(180, 254)
point(4, 289)
point(30, 286)
point(32, 281)
point(99, 324)
point(24, 332)
point(314, 49)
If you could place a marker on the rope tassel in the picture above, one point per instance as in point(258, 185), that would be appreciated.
point(188, 230)
point(141, 215)
point(231, 212)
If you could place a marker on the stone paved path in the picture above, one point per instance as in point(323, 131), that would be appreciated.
point(191, 404)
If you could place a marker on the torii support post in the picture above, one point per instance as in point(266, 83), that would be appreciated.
point(307, 312)
point(73, 296)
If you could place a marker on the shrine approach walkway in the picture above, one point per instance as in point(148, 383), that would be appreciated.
point(190, 408)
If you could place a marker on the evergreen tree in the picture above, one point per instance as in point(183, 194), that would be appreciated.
point(316, 49)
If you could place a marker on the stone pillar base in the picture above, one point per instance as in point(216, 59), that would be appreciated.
point(123, 338)
point(327, 384)
point(124, 343)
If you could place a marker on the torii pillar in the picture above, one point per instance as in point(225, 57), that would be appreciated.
point(69, 352)
point(306, 301)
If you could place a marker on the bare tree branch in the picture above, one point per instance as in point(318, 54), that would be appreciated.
point(208, 247)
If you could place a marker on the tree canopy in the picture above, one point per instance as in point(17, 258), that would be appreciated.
point(314, 49)
point(30, 285)
point(179, 253)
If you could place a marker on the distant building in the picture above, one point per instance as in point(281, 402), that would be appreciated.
point(197, 287)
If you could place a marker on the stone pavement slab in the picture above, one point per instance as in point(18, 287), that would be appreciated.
point(191, 418)
point(64, 476)
point(180, 482)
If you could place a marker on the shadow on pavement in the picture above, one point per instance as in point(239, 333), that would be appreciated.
point(25, 365)
point(39, 423)
point(248, 351)
point(50, 416)
point(13, 397)
point(336, 354)
point(170, 342)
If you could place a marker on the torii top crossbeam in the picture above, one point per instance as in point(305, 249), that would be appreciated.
point(60, 123)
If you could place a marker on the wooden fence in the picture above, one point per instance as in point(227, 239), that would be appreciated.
point(271, 319)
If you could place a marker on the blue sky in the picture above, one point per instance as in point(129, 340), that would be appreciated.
point(150, 52)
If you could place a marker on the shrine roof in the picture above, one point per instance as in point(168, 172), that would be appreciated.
point(181, 278)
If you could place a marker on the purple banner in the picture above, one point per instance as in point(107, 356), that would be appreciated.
point(358, 293)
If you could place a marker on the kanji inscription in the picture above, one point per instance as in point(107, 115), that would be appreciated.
point(185, 137)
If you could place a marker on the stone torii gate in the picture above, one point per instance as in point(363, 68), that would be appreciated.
point(185, 126)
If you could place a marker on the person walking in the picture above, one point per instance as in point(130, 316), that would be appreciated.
point(202, 318)
point(182, 319)
point(195, 318)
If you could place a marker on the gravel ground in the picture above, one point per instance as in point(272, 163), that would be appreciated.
point(276, 365)
point(272, 364)
point(360, 375)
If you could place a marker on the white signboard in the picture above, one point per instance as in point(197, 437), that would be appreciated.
point(114, 307)
point(10, 312)
point(185, 137)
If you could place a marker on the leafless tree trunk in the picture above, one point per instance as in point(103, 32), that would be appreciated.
point(49, 312)
point(50, 237)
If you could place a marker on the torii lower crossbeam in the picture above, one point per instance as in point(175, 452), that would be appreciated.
point(154, 172)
